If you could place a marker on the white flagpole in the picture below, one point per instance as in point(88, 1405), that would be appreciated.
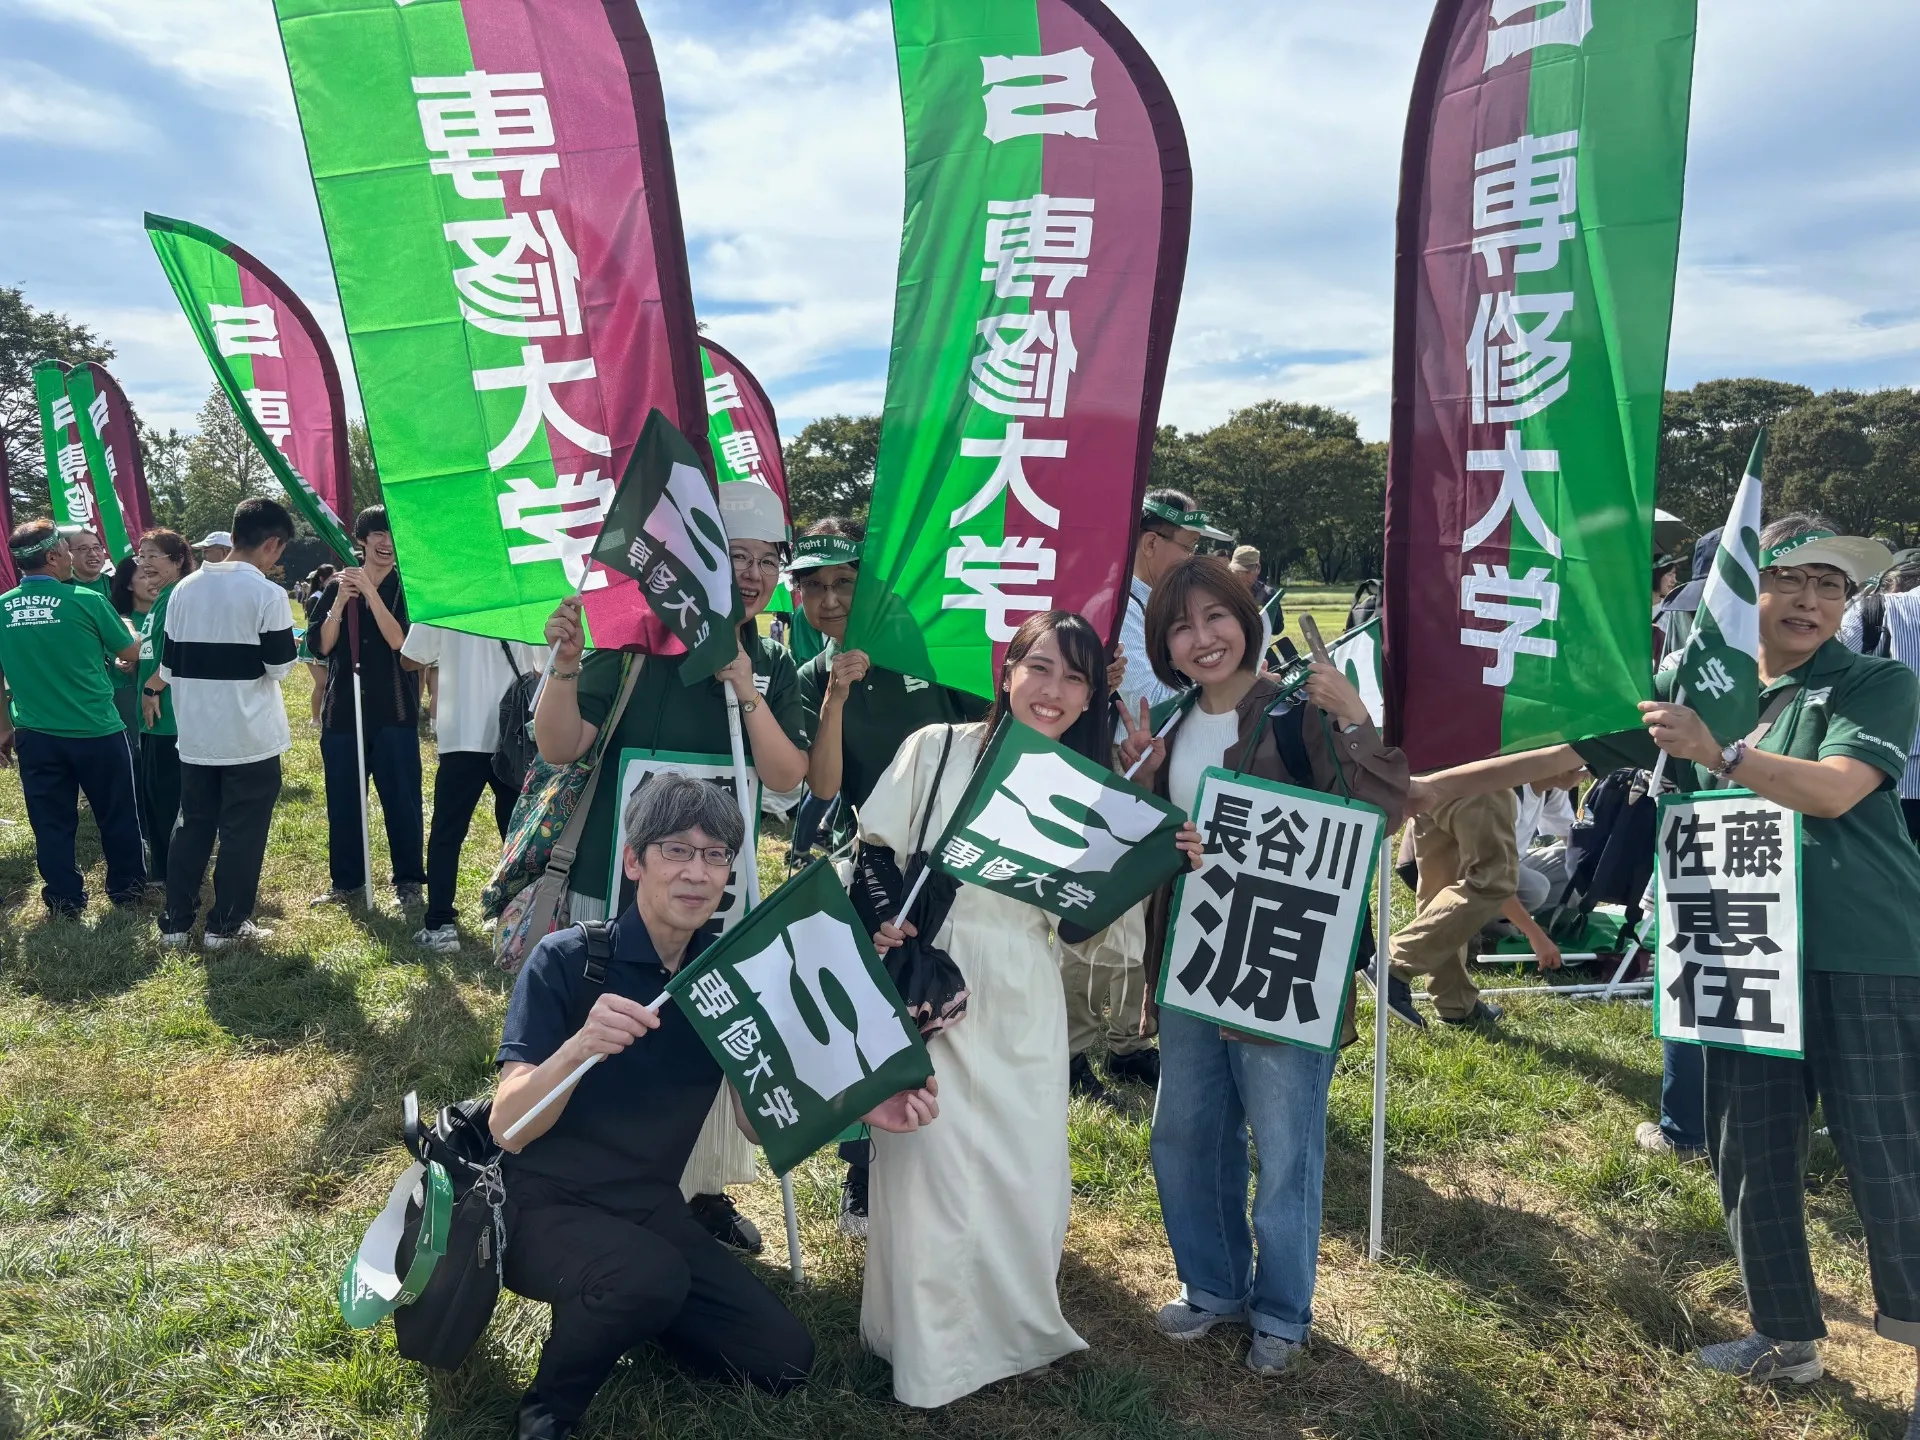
point(360, 753)
point(1383, 926)
point(750, 877)
point(1134, 769)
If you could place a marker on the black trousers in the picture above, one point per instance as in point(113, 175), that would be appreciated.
point(393, 768)
point(462, 778)
point(616, 1282)
point(1863, 1064)
point(233, 804)
point(159, 774)
point(54, 771)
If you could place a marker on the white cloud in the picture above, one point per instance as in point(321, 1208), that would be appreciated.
point(230, 48)
point(39, 104)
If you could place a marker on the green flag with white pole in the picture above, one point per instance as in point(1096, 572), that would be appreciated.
point(1720, 668)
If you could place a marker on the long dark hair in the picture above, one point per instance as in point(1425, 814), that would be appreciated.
point(1082, 653)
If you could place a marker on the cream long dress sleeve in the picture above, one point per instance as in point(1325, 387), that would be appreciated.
point(968, 1217)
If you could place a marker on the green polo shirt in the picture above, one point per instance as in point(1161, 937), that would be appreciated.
point(881, 712)
point(664, 714)
point(55, 643)
point(103, 587)
point(1860, 873)
point(153, 635)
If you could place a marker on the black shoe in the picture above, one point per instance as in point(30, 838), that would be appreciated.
point(1083, 1082)
point(535, 1421)
point(1484, 1012)
point(1142, 1066)
point(409, 895)
point(1399, 999)
point(716, 1215)
point(853, 1202)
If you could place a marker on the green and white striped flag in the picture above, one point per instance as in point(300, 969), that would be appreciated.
point(1720, 668)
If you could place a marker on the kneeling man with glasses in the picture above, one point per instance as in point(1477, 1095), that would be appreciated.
point(596, 1226)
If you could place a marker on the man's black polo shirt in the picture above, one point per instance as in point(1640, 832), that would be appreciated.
point(623, 1140)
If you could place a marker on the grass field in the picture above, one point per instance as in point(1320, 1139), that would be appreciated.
point(190, 1147)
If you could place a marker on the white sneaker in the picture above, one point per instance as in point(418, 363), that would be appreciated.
point(444, 939)
point(248, 934)
point(176, 942)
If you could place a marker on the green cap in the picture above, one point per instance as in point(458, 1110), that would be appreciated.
point(816, 551)
point(1198, 521)
point(1859, 558)
point(371, 1287)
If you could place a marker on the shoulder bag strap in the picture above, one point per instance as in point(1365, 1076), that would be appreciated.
point(933, 794)
point(512, 664)
point(568, 846)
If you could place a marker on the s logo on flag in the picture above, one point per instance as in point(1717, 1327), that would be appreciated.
point(1029, 799)
point(812, 950)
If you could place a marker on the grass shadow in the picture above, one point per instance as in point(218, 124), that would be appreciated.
point(1631, 1084)
point(75, 962)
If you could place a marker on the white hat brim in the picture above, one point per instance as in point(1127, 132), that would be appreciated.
point(1862, 559)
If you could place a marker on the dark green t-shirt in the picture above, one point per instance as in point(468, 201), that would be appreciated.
point(663, 714)
point(1860, 873)
point(153, 634)
point(55, 644)
point(882, 711)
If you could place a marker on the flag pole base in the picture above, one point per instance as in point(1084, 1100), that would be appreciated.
point(796, 1266)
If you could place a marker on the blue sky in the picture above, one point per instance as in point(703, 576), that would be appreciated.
point(1799, 259)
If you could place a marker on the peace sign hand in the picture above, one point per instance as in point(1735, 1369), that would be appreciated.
point(1140, 742)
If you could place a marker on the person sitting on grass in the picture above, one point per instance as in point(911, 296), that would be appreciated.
point(1218, 1087)
point(1841, 729)
point(596, 1227)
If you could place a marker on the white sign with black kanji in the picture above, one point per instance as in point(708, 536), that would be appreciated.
point(637, 767)
point(1264, 934)
point(1728, 970)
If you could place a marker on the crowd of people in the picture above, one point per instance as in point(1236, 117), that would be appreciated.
point(617, 1212)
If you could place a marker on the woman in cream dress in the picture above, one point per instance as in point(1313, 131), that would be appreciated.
point(969, 1216)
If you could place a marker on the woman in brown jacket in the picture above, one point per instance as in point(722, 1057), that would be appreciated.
point(1217, 1087)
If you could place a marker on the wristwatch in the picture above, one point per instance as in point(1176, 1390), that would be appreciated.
point(156, 694)
point(1730, 758)
point(747, 707)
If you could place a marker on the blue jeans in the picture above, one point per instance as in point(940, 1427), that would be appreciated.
point(1683, 1095)
point(393, 767)
point(1211, 1092)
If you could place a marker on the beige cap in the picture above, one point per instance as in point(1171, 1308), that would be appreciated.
point(1246, 555)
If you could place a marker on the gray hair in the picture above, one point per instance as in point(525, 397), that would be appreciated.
point(667, 805)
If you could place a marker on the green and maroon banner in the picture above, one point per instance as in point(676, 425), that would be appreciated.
point(497, 188)
point(9, 577)
point(274, 364)
point(70, 481)
point(93, 423)
point(744, 432)
point(1048, 206)
point(1539, 236)
point(110, 420)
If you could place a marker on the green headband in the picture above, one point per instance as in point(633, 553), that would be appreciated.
point(1185, 519)
point(27, 555)
point(817, 551)
point(1772, 557)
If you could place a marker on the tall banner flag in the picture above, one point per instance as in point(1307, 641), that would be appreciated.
point(9, 577)
point(1043, 825)
point(70, 484)
point(795, 1007)
point(497, 188)
point(109, 419)
point(744, 432)
point(92, 423)
point(273, 362)
point(1048, 205)
point(1539, 236)
point(664, 548)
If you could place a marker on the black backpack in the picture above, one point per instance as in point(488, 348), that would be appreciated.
point(513, 752)
point(453, 1310)
point(1875, 639)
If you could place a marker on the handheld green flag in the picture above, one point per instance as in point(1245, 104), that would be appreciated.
point(1045, 826)
point(799, 1013)
point(1357, 653)
point(1720, 668)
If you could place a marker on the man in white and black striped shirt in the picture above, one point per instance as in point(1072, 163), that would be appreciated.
point(229, 644)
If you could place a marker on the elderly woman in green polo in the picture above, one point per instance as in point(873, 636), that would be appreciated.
point(1836, 745)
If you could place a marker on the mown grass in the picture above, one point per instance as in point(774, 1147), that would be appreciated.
point(190, 1147)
